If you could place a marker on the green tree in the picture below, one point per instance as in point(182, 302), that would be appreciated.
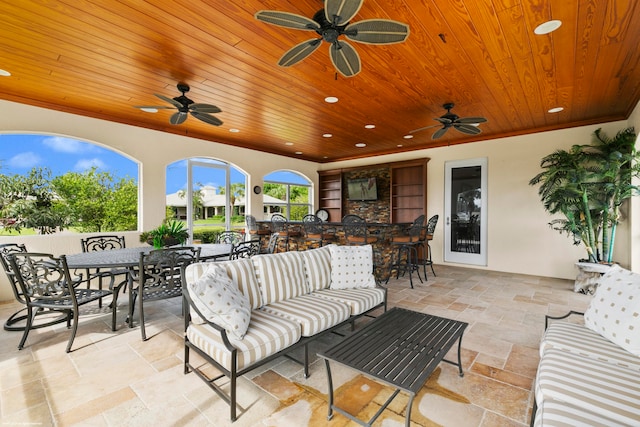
point(236, 191)
point(31, 201)
point(96, 202)
point(196, 199)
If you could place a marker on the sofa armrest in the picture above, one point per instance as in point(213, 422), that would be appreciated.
point(547, 317)
point(187, 319)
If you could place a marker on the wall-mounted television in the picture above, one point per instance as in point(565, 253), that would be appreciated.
point(362, 189)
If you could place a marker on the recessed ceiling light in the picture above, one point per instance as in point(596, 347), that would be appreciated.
point(369, 126)
point(555, 110)
point(298, 152)
point(150, 110)
point(547, 27)
point(331, 99)
point(327, 135)
point(399, 145)
point(288, 143)
point(234, 130)
point(4, 73)
point(408, 136)
point(325, 157)
point(361, 144)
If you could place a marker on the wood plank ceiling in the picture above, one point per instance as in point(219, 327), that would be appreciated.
point(100, 58)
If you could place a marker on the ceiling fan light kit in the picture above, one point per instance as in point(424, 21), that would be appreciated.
point(330, 23)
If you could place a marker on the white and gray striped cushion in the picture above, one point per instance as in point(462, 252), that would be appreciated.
point(267, 334)
point(359, 300)
point(317, 267)
point(602, 388)
point(242, 272)
point(280, 276)
point(580, 340)
point(312, 313)
point(561, 414)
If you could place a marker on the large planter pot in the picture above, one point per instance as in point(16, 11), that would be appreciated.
point(167, 241)
point(588, 276)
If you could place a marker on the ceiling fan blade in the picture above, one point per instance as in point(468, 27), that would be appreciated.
point(287, 20)
point(178, 118)
point(340, 12)
point(345, 58)
point(470, 120)
point(157, 107)
point(204, 108)
point(423, 128)
point(169, 100)
point(207, 118)
point(377, 31)
point(443, 120)
point(438, 134)
point(299, 52)
point(468, 129)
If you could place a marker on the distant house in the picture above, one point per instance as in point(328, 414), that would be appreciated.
point(213, 204)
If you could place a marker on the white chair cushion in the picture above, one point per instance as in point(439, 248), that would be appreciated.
point(281, 276)
point(352, 267)
point(317, 267)
point(614, 311)
point(359, 300)
point(220, 301)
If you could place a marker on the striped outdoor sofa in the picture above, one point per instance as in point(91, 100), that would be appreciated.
point(589, 372)
point(288, 299)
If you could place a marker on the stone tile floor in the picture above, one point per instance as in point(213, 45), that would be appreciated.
point(116, 379)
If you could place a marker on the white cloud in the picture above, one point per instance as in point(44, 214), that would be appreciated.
point(25, 160)
point(86, 164)
point(67, 145)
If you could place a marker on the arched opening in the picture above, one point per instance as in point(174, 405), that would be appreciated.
point(208, 194)
point(289, 194)
point(51, 183)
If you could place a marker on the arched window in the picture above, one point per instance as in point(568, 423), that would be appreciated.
point(290, 195)
point(49, 183)
point(218, 198)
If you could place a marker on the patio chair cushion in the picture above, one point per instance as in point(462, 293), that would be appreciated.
point(280, 276)
point(220, 301)
point(352, 267)
point(242, 272)
point(605, 389)
point(267, 335)
point(358, 300)
point(614, 311)
point(313, 314)
point(552, 413)
point(317, 267)
point(575, 338)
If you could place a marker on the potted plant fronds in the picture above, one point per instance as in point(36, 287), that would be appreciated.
point(587, 185)
point(170, 232)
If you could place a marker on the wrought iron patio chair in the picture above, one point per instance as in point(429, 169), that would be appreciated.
point(46, 283)
point(245, 249)
point(159, 276)
point(280, 224)
point(315, 230)
point(425, 237)
point(230, 237)
point(105, 243)
point(356, 231)
point(407, 244)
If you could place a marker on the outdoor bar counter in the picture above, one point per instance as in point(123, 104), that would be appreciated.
point(384, 251)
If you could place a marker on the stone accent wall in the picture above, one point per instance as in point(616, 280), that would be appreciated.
point(372, 210)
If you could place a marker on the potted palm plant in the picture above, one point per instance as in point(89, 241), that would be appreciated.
point(170, 232)
point(587, 185)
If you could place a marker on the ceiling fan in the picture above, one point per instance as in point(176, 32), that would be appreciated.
point(185, 106)
point(331, 23)
point(468, 125)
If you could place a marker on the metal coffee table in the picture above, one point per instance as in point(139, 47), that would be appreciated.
point(400, 348)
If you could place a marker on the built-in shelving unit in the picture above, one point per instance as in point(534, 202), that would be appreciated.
point(330, 196)
point(408, 190)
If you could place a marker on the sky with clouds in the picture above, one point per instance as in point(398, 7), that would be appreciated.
point(20, 153)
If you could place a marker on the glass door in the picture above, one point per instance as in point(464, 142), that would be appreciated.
point(465, 223)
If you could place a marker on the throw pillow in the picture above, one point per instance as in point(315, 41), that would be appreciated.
point(614, 311)
point(352, 267)
point(220, 301)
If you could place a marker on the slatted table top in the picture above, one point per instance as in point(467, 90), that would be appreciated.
point(400, 347)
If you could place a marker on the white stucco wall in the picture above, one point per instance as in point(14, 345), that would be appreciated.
point(519, 239)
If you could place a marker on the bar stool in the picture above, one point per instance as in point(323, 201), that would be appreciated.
point(280, 225)
point(356, 231)
point(407, 244)
point(425, 237)
point(316, 232)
